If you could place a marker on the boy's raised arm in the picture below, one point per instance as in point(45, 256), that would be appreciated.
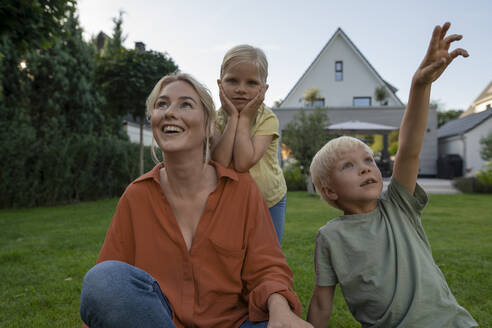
point(414, 122)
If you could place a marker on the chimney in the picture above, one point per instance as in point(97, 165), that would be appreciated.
point(140, 46)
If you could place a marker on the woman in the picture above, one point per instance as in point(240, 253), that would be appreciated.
point(191, 243)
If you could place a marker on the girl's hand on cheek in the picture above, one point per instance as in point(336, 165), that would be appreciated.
point(227, 104)
point(252, 107)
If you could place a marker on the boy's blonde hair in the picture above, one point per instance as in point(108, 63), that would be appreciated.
point(203, 94)
point(325, 159)
point(245, 53)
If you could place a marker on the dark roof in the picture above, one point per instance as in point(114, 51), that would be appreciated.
point(464, 124)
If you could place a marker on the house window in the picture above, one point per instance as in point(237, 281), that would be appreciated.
point(339, 70)
point(361, 102)
point(320, 102)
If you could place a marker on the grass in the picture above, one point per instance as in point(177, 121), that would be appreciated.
point(45, 252)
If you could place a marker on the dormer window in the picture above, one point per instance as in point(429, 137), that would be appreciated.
point(339, 70)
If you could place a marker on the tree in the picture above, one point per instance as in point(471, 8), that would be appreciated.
point(381, 94)
point(444, 116)
point(115, 44)
point(33, 24)
point(486, 151)
point(305, 135)
point(311, 95)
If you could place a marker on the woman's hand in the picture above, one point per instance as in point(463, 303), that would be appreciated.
point(438, 56)
point(281, 316)
point(227, 104)
point(252, 106)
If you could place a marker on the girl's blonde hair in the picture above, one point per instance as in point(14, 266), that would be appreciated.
point(205, 98)
point(245, 53)
point(325, 159)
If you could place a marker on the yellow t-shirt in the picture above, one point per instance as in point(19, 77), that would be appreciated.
point(266, 172)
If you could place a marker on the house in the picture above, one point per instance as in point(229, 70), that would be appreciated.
point(347, 85)
point(462, 137)
point(483, 102)
point(132, 128)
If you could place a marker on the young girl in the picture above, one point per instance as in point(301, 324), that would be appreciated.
point(247, 130)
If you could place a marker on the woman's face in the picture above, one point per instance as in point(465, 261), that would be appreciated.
point(178, 120)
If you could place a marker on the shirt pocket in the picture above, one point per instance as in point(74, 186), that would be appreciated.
point(224, 266)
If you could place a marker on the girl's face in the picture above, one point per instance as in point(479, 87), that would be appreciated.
point(178, 120)
point(241, 83)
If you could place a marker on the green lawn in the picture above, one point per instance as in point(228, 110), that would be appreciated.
point(45, 252)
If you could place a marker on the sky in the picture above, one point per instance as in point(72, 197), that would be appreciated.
point(393, 35)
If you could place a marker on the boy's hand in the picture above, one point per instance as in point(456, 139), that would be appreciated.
point(227, 104)
point(252, 106)
point(438, 56)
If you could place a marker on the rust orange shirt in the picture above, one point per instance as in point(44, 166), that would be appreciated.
point(235, 262)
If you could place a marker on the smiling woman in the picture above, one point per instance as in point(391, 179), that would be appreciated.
point(191, 242)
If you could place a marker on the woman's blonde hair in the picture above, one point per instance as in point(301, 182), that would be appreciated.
point(325, 159)
point(245, 53)
point(205, 98)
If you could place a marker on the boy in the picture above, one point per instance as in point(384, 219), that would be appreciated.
point(378, 251)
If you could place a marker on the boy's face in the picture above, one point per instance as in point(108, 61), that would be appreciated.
point(356, 182)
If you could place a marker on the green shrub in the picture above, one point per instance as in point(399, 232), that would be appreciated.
point(294, 178)
point(481, 183)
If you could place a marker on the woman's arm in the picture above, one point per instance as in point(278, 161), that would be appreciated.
point(280, 314)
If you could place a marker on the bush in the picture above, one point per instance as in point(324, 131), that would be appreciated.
point(481, 183)
point(294, 178)
point(77, 168)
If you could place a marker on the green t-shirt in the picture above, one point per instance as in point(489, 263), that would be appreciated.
point(384, 265)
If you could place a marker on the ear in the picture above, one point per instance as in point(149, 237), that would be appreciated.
point(266, 87)
point(219, 82)
point(329, 193)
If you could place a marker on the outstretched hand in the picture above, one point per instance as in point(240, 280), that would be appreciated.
point(438, 56)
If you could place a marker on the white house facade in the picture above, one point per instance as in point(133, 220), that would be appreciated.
point(462, 137)
point(343, 77)
point(347, 82)
point(133, 131)
point(482, 103)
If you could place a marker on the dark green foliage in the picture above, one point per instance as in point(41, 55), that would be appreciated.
point(127, 78)
point(486, 150)
point(444, 116)
point(33, 24)
point(294, 178)
point(305, 135)
point(480, 184)
point(55, 147)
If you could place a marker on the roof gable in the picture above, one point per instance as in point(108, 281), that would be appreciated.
point(464, 124)
point(485, 95)
point(340, 35)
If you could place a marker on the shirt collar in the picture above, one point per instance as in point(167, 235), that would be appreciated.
point(222, 172)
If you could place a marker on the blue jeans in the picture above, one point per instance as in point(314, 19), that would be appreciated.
point(277, 212)
point(116, 294)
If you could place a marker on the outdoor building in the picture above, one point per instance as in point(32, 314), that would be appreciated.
point(132, 128)
point(348, 85)
point(482, 103)
point(462, 137)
